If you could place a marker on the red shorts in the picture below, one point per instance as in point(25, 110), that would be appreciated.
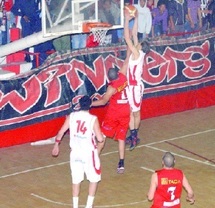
point(116, 123)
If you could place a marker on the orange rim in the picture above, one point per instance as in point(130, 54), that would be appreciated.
point(98, 24)
point(87, 26)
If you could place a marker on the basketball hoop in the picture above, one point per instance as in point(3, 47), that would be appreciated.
point(98, 29)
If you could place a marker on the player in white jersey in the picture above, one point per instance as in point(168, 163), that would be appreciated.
point(134, 75)
point(84, 159)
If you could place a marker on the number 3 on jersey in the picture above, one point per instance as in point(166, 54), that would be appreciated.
point(172, 190)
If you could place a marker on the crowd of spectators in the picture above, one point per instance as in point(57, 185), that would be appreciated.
point(156, 19)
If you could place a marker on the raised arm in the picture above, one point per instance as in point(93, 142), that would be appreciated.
point(124, 67)
point(134, 30)
point(128, 40)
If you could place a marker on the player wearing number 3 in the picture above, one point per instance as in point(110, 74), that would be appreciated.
point(167, 184)
point(84, 158)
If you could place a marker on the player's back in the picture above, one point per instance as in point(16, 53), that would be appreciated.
point(135, 69)
point(82, 136)
point(169, 188)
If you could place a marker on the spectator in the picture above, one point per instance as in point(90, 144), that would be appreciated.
point(28, 11)
point(62, 43)
point(10, 21)
point(178, 16)
point(150, 4)
point(211, 14)
point(144, 20)
point(79, 40)
point(84, 158)
point(160, 20)
point(194, 14)
point(166, 185)
point(30, 21)
point(110, 13)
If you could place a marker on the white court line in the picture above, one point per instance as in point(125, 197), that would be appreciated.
point(33, 169)
point(117, 205)
point(148, 169)
point(189, 158)
point(103, 206)
point(181, 137)
point(146, 145)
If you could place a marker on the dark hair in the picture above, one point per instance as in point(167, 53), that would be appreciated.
point(145, 46)
point(160, 2)
point(85, 102)
point(113, 74)
point(168, 160)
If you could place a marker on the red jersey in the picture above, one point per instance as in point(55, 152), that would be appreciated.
point(169, 189)
point(116, 121)
point(120, 96)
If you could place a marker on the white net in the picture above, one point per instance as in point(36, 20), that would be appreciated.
point(99, 34)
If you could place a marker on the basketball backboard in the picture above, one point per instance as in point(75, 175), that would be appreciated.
point(61, 17)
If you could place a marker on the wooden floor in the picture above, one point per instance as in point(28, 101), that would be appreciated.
point(31, 177)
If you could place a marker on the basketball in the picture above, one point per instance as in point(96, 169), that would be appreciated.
point(131, 10)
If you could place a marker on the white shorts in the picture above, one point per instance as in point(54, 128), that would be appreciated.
point(135, 96)
point(85, 164)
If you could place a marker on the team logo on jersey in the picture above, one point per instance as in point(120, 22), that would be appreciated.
point(164, 181)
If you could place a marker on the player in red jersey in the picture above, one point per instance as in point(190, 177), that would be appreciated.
point(167, 184)
point(116, 120)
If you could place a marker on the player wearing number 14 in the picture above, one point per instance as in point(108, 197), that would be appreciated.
point(84, 158)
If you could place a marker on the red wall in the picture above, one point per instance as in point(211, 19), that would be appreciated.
point(151, 107)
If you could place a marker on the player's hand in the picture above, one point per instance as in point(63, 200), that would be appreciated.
point(127, 16)
point(55, 151)
point(191, 200)
point(26, 18)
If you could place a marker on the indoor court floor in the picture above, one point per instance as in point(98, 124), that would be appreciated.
point(31, 178)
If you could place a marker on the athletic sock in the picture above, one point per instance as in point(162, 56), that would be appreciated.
point(75, 202)
point(90, 200)
point(132, 132)
point(121, 163)
point(135, 132)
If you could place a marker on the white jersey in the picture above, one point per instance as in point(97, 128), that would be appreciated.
point(84, 156)
point(135, 70)
point(82, 137)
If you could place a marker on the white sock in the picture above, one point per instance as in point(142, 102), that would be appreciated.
point(90, 200)
point(75, 202)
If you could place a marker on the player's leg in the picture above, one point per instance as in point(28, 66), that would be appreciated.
point(137, 115)
point(91, 194)
point(77, 173)
point(121, 167)
point(134, 132)
point(121, 136)
point(93, 174)
point(75, 194)
point(135, 100)
point(131, 127)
